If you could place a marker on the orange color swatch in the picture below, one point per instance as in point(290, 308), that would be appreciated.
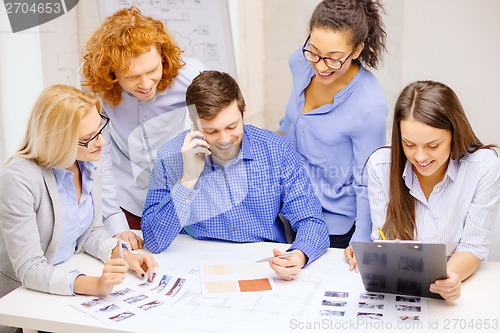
point(255, 285)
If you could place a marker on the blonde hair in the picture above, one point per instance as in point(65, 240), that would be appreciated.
point(52, 136)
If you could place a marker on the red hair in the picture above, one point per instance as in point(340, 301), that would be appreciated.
point(121, 37)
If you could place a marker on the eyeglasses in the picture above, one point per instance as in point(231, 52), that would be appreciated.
point(315, 58)
point(104, 123)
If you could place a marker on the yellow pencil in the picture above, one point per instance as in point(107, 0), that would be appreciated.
point(381, 233)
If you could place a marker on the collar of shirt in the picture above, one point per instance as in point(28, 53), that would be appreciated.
point(63, 175)
point(451, 173)
point(246, 152)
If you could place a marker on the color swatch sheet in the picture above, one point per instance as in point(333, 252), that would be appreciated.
point(220, 279)
point(132, 301)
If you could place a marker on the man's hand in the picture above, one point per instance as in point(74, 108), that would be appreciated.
point(135, 241)
point(288, 268)
point(193, 157)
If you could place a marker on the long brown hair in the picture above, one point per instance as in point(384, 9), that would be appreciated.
point(437, 105)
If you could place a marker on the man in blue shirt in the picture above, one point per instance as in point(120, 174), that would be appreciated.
point(230, 181)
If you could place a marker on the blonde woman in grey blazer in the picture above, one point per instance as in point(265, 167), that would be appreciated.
point(37, 222)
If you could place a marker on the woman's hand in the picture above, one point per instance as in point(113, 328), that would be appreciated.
point(141, 263)
point(113, 273)
point(351, 259)
point(448, 288)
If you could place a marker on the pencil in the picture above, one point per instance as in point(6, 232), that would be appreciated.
point(284, 255)
point(381, 233)
point(120, 250)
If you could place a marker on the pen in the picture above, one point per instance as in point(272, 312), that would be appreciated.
point(120, 250)
point(284, 255)
point(381, 233)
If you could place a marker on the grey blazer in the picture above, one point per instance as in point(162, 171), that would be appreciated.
point(31, 226)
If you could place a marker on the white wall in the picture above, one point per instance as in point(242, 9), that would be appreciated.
point(457, 42)
point(20, 82)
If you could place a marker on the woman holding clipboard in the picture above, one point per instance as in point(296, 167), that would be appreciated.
point(437, 183)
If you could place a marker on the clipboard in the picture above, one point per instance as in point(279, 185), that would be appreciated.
point(400, 267)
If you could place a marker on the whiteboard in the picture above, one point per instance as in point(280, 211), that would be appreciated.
point(201, 28)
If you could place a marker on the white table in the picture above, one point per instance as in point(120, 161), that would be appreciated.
point(39, 311)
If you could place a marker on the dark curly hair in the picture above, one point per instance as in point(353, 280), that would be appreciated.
point(361, 18)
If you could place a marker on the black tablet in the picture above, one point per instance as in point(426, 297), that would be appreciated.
point(400, 267)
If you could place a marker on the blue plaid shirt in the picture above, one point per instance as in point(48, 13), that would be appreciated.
point(239, 202)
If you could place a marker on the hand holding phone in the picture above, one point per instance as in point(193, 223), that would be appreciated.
point(194, 150)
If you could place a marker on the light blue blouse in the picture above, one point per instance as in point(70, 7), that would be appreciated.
point(77, 216)
point(335, 141)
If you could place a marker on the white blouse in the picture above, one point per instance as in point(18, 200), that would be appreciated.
point(461, 209)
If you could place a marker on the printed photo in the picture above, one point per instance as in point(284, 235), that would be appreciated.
point(93, 302)
point(150, 305)
point(162, 284)
point(411, 264)
point(375, 281)
point(122, 316)
point(121, 292)
point(375, 259)
point(370, 315)
point(332, 313)
point(402, 307)
point(330, 303)
point(176, 288)
point(411, 299)
point(339, 294)
point(411, 319)
point(372, 296)
point(409, 287)
point(109, 308)
point(370, 306)
point(135, 299)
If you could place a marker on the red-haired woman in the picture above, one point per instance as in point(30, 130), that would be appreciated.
point(134, 65)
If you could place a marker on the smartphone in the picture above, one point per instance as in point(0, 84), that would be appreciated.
point(194, 117)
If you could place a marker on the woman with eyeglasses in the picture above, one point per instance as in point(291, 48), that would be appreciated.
point(336, 114)
point(50, 202)
point(436, 183)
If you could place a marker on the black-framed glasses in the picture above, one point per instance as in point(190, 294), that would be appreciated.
point(104, 123)
point(315, 58)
